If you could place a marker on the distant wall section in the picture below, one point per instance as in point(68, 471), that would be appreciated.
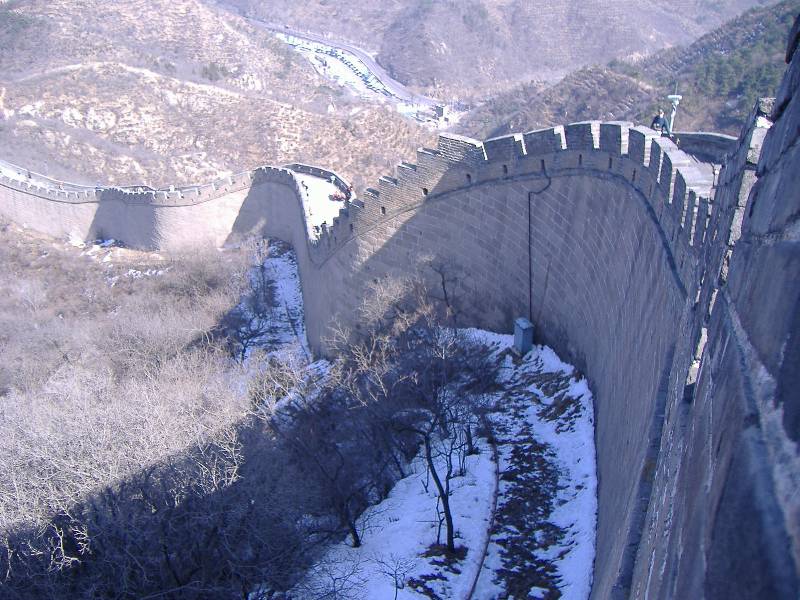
point(146, 218)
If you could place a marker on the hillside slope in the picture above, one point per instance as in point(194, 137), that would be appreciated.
point(164, 92)
point(720, 76)
point(473, 47)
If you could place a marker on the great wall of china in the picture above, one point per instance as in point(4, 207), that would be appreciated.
point(674, 285)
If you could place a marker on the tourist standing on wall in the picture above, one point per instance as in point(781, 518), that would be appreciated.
point(661, 124)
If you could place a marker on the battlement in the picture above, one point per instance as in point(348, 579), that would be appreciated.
point(614, 240)
point(40, 189)
point(676, 186)
point(59, 191)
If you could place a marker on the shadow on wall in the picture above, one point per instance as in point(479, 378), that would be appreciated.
point(252, 218)
point(568, 243)
point(271, 208)
point(130, 217)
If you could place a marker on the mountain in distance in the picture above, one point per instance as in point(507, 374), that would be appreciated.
point(720, 76)
point(165, 92)
point(473, 48)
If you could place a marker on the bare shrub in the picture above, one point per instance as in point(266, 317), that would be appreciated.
point(122, 439)
point(199, 274)
point(136, 466)
point(400, 383)
point(335, 581)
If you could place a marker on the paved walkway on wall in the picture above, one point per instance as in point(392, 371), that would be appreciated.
point(317, 203)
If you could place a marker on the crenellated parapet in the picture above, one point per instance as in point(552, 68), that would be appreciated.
point(615, 241)
point(51, 189)
point(43, 189)
point(139, 215)
point(677, 187)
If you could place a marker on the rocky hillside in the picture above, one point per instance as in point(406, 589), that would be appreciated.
point(163, 92)
point(720, 76)
point(472, 47)
point(722, 73)
point(172, 91)
point(591, 93)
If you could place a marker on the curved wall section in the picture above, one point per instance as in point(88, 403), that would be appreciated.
point(706, 146)
point(146, 218)
point(590, 230)
point(627, 254)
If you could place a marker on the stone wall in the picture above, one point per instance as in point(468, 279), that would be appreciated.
point(143, 218)
point(596, 232)
point(724, 521)
point(673, 285)
point(708, 147)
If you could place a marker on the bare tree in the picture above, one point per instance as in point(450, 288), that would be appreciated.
point(134, 466)
point(341, 580)
point(396, 569)
point(415, 377)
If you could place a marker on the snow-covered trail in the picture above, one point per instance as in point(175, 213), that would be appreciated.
point(361, 62)
point(543, 537)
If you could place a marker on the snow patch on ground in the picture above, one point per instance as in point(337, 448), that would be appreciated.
point(527, 519)
point(281, 267)
point(535, 539)
point(398, 532)
point(270, 316)
point(340, 66)
point(349, 71)
point(543, 537)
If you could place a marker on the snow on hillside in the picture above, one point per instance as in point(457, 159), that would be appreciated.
point(399, 533)
point(540, 525)
point(525, 511)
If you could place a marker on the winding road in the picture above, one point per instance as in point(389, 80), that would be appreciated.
point(395, 88)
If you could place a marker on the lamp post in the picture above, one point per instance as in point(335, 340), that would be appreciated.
point(675, 99)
